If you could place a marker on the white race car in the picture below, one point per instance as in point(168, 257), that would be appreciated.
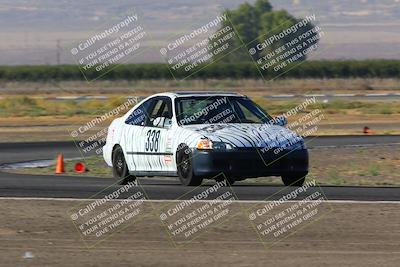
point(198, 135)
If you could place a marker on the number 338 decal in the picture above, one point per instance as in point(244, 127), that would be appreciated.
point(152, 141)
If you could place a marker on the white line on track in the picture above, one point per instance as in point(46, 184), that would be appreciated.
point(315, 95)
point(175, 200)
point(343, 95)
point(377, 95)
point(282, 96)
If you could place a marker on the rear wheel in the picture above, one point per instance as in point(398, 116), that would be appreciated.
point(120, 168)
point(185, 167)
point(294, 179)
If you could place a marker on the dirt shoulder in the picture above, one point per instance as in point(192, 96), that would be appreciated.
point(43, 229)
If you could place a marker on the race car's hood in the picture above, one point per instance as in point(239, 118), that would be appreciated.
point(248, 134)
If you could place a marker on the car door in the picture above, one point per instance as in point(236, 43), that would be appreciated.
point(132, 131)
point(154, 142)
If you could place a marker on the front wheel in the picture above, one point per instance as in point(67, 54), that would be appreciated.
point(120, 169)
point(185, 167)
point(294, 179)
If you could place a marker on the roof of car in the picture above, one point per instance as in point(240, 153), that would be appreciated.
point(199, 93)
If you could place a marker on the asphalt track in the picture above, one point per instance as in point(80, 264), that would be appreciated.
point(18, 185)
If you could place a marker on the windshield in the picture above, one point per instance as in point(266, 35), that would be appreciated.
point(218, 109)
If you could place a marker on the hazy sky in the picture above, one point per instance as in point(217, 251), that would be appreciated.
point(29, 30)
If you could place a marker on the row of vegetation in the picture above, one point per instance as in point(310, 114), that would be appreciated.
point(27, 106)
point(308, 69)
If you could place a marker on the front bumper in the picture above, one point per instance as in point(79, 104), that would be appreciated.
point(248, 163)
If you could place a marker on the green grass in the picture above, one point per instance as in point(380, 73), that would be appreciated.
point(334, 178)
point(95, 166)
point(363, 107)
point(373, 170)
point(334, 107)
point(25, 106)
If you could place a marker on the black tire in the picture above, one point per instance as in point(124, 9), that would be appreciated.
point(184, 167)
point(120, 169)
point(294, 179)
point(231, 180)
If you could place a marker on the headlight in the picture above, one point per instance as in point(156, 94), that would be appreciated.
point(205, 144)
point(221, 146)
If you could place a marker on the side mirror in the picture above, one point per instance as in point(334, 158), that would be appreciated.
point(280, 121)
point(162, 122)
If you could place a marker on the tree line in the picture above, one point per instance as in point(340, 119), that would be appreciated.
point(242, 70)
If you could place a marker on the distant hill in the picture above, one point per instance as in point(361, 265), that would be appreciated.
point(356, 29)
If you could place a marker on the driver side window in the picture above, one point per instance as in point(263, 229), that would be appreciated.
point(160, 114)
point(159, 108)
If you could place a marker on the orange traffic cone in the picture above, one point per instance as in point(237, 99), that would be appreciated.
point(60, 164)
point(367, 131)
